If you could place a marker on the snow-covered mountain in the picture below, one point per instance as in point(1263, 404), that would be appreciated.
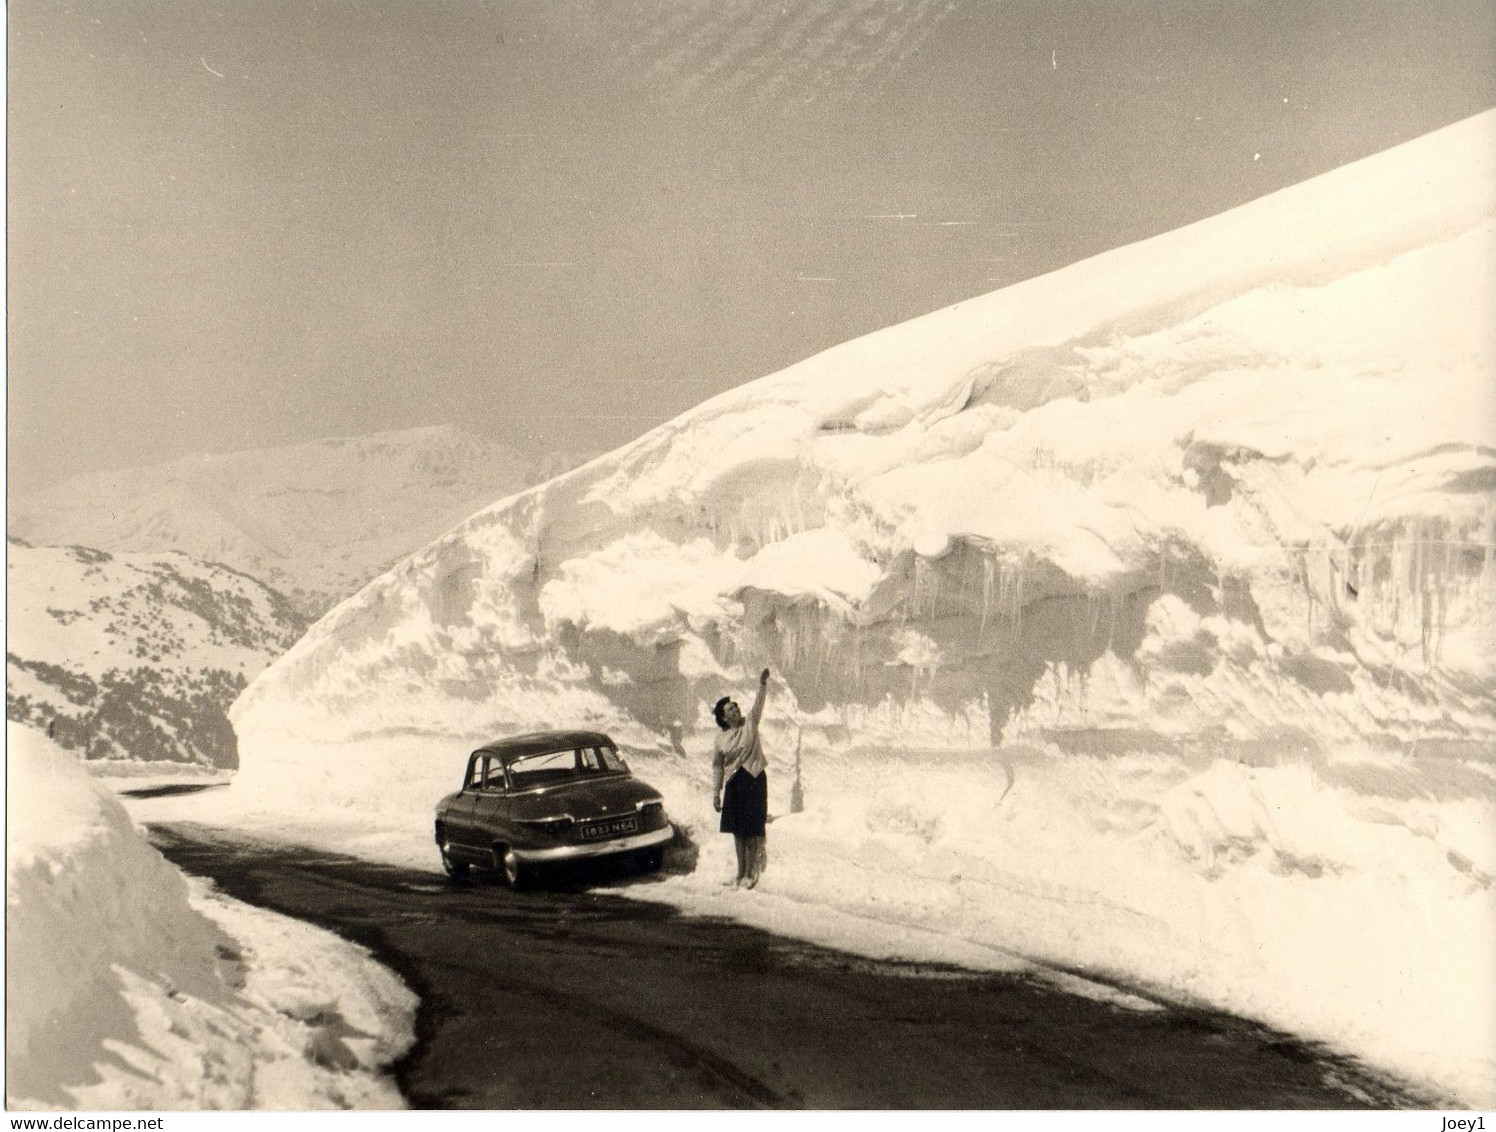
point(1138, 616)
point(136, 656)
point(314, 520)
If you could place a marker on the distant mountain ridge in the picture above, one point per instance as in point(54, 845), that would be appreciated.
point(315, 520)
point(136, 656)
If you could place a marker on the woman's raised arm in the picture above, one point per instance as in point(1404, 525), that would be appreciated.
point(758, 705)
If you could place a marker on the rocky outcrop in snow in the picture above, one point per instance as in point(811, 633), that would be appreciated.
point(136, 656)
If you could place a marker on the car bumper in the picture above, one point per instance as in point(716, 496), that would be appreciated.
point(597, 848)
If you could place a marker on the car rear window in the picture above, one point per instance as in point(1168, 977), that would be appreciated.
point(530, 771)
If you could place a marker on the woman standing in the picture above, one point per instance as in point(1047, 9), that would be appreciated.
point(744, 799)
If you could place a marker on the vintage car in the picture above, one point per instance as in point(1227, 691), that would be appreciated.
point(546, 797)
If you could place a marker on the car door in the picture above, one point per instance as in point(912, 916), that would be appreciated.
point(490, 814)
point(460, 816)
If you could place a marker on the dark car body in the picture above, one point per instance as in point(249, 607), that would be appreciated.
point(548, 796)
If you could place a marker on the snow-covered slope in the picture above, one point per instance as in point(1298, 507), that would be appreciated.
point(125, 990)
point(1142, 611)
point(316, 520)
point(136, 656)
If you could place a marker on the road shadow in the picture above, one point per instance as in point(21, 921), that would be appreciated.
point(168, 789)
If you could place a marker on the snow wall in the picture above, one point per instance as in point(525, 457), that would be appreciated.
point(1138, 616)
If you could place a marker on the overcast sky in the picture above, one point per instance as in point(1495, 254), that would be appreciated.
point(558, 224)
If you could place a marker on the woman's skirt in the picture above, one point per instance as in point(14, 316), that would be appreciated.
point(745, 804)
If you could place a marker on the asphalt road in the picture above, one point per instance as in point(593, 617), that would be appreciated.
point(566, 998)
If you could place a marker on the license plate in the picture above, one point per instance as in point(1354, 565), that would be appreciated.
point(594, 830)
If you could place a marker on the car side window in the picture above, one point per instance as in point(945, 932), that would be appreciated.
point(589, 759)
point(474, 775)
point(493, 774)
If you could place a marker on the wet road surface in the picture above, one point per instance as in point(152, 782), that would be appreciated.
point(566, 998)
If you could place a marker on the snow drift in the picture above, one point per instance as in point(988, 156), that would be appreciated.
point(124, 990)
point(1137, 616)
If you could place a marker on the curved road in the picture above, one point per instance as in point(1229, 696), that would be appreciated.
point(571, 999)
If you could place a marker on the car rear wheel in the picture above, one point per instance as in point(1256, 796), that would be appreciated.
point(455, 869)
point(508, 867)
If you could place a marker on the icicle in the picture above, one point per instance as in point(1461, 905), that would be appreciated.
point(1418, 567)
point(797, 791)
point(1487, 576)
point(1018, 598)
point(1303, 571)
point(988, 570)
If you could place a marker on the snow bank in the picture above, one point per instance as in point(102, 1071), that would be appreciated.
point(1251, 460)
point(1276, 892)
point(125, 989)
point(1207, 522)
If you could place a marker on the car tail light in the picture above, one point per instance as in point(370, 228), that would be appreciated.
point(652, 806)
